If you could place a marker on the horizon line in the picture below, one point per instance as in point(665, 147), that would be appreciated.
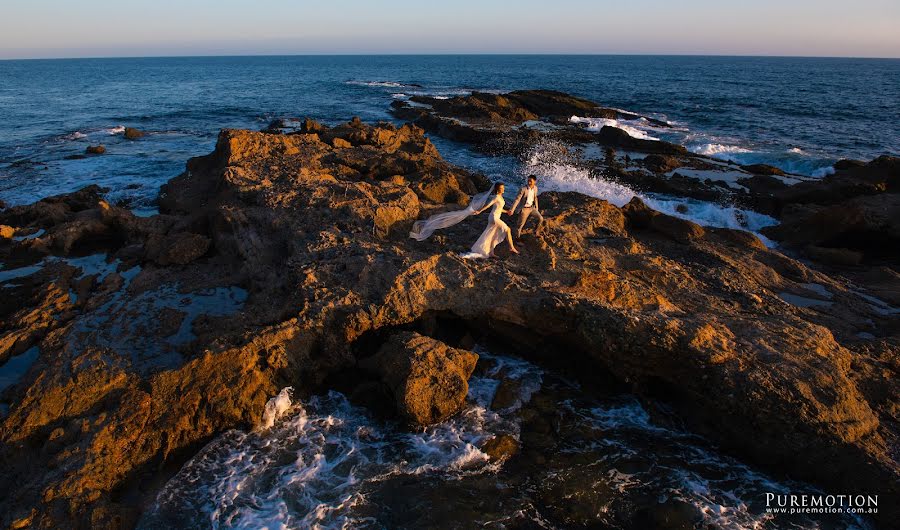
point(445, 54)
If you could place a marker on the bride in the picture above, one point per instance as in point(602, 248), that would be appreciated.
point(492, 236)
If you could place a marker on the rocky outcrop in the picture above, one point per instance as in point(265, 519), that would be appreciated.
point(428, 379)
point(854, 211)
point(138, 366)
point(95, 149)
point(133, 134)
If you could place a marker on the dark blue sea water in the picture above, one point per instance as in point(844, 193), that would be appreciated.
point(800, 114)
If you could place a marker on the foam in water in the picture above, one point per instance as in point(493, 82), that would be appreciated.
point(632, 127)
point(323, 463)
point(314, 463)
point(276, 408)
point(560, 174)
point(721, 151)
point(793, 160)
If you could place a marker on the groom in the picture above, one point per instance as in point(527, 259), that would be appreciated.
point(528, 194)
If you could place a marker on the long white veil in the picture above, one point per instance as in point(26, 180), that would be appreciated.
point(422, 230)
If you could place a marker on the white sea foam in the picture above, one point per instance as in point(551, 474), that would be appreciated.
point(324, 463)
point(386, 84)
point(314, 463)
point(822, 172)
point(119, 129)
point(634, 128)
point(715, 150)
point(276, 408)
point(562, 175)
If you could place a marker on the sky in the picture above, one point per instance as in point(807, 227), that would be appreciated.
point(132, 28)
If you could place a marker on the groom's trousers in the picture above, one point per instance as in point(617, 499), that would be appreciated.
point(523, 216)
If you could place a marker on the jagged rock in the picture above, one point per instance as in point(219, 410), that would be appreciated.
point(177, 249)
point(429, 380)
point(507, 394)
point(316, 237)
point(133, 134)
point(311, 126)
point(661, 163)
point(869, 224)
point(881, 175)
point(616, 137)
point(676, 228)
point(834, 256)
point(500, 447)
point(642, 216)
point(763, 169)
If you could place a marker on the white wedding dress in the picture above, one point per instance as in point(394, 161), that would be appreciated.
point(493, 235)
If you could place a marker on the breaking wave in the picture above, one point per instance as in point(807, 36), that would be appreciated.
point(635, 128)
point(560, 174)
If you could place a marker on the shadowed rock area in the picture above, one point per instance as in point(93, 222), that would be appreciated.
point(283, 259)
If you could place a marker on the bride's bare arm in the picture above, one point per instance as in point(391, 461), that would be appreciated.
point(486, 206)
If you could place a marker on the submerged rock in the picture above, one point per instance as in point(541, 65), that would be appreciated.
point(500, 447)
point(133, 134)
point(429, 380)
point(95, 149)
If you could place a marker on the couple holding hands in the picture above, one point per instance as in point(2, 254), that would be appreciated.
point(496, 230)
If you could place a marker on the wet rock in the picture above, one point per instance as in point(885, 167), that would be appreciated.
point(616, 137)
point(763, 169)
point(500, 447)
point(661, 163)
point(133, 134)
point(95, 149)
point(869, 224)
point(429, 379)
point(881, 175)
point(276, 126)
point(507, 394)
point(177, 249)
point(311, 126)
point(834, 256)
point(844, 164)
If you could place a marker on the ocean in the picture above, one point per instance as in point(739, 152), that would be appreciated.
point(799, 114)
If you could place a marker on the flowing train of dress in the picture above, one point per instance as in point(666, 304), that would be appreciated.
point(422, 230)
point(493, 235)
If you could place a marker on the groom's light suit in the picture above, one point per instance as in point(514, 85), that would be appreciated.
point(529, 199)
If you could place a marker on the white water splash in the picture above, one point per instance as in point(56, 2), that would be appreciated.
point(559, 174)
point(635, 128)
point(276, 408)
